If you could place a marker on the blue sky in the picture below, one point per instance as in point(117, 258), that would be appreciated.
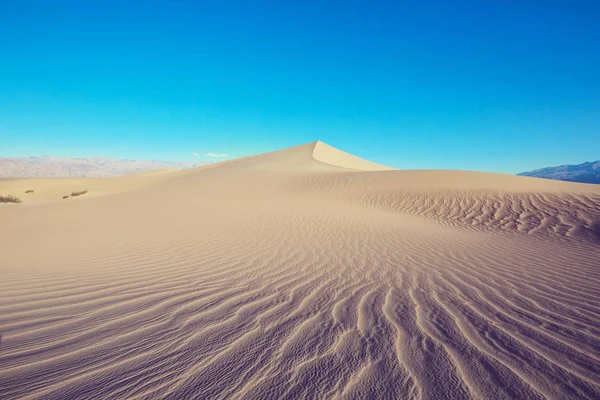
point(490, 85)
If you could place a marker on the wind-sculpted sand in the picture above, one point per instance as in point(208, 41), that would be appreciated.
point(305, 273)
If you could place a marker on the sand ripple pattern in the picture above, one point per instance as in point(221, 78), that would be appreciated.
point(548, 213)
point(286, 285)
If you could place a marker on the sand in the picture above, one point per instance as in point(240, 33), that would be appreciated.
point(302, 273)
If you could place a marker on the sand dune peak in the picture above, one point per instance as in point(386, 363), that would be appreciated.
point(330, 155)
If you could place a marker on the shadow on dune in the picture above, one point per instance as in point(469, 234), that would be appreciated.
point(595, 230)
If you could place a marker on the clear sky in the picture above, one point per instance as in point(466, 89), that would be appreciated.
point(489, 85)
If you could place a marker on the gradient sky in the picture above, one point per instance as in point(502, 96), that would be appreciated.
point(502, 86)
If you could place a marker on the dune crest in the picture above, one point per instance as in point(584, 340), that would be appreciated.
point(302, 273)
point(330, 155)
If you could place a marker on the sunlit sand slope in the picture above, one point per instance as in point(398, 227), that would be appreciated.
point(332, 156)
point(305, 274)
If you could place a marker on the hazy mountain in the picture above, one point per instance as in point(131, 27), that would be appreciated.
point(588, 172)
point(96, 167)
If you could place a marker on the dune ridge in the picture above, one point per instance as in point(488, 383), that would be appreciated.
point(332, 156)
point(305, 273)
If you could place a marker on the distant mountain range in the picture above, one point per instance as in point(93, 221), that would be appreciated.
point(94, 167)
point(588, 172)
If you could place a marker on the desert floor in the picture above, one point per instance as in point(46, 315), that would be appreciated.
point(302, 273)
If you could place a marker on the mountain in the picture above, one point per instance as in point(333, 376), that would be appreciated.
point(94, 167)
point(588, 172)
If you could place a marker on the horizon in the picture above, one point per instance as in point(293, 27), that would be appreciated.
point(499, 87)
point(206, 161)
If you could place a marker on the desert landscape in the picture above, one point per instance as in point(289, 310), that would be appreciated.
point(301, 273)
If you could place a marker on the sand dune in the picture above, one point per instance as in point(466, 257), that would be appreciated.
point(303, 273)
point(51, 190)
